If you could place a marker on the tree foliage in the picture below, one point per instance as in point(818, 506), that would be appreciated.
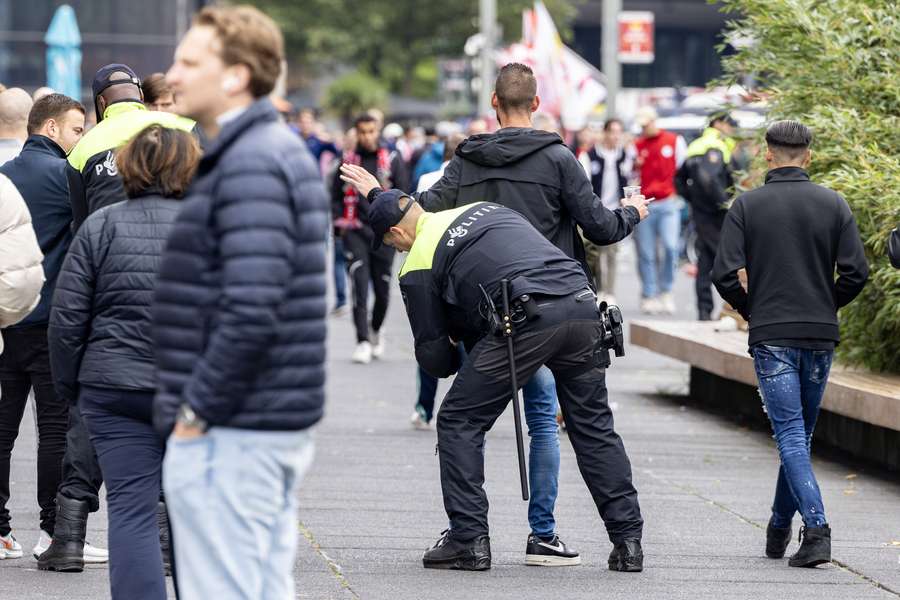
point(354, 93)
point(396, 41)
point(833, 64)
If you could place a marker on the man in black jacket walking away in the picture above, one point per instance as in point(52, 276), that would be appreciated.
point(239, 319)
point(792, 235)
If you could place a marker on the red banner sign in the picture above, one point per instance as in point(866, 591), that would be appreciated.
point(636, 37)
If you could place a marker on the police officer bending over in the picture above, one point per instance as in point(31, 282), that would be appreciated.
point(450, 281)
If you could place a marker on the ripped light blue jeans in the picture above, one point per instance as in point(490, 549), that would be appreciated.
point(792, 382)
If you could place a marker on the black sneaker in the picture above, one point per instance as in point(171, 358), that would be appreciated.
point(448, 553)
point(627, 556)
point(550, 552)
point(777, 540)
point(815, 547)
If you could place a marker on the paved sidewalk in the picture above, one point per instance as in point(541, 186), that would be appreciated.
point(372, 504)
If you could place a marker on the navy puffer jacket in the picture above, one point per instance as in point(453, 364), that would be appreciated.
point(99, 330)
point(239, 310)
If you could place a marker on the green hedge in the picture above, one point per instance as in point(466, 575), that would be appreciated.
point(835, 65)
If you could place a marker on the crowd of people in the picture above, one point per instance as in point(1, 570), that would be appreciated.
point(164, 298)
point(136, 276)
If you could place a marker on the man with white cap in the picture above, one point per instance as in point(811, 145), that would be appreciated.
point(659, 155)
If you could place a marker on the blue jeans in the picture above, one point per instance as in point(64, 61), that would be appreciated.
point(791, 382)
point(232, 499)
point(662, 225)
point(543, 451)
point(340, 272)
point(130, 453)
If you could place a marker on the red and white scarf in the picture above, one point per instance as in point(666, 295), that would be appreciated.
point(350, 217)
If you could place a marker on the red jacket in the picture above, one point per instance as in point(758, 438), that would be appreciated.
point(657, 157)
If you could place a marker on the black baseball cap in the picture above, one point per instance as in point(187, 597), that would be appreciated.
point(103, 79)
point(385, 212)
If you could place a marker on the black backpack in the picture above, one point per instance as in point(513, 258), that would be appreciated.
point(894, 247)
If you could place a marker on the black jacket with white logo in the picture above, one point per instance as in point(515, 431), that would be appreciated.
point(456, 254)
point(94, 180)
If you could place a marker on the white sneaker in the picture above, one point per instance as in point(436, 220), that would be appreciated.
point(377, 345)
point(42, 545)
point(650, 306)
point(667, 303)
point(418, 422)
point(9, 547)
point(363, 353)
point(92, 554)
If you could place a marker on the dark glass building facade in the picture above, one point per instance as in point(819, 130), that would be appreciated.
point(686, 35)
point(139, 33)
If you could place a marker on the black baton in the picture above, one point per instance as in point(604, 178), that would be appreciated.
point(508, 333)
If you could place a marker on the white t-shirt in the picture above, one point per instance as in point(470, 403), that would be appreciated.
point(9, 149)
point(427, 180)
point(609, 187)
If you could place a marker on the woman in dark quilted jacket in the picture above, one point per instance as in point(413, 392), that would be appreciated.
point(101, 348)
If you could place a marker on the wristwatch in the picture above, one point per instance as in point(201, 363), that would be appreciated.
point(189, 418)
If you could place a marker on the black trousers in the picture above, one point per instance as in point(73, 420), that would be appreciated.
point(364, 266)
point(25, 365)
point(708, 228)
point(565, 338)
point(81, 475)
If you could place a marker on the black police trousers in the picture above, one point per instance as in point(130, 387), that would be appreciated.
point(564, 337)
point(708, 228)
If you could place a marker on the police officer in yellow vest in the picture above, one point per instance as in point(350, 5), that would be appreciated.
point(450, 284)
point(704, 180)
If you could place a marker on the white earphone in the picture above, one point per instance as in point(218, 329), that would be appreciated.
point(230, 83)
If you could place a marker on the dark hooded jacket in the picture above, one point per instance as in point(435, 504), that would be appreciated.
point(533, 173)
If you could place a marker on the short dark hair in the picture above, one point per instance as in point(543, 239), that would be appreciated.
point(51, 106)
point(155, 87)
point(159, 156)
point(309, 110)
point(364, 118)
point(515, 87)
point(609, 123)
point(788, 138)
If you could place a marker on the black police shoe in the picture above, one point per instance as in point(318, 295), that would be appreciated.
point(627, 556)
point(777, 540)
point(448, 553)
point(815, 547)
point(549, 552)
